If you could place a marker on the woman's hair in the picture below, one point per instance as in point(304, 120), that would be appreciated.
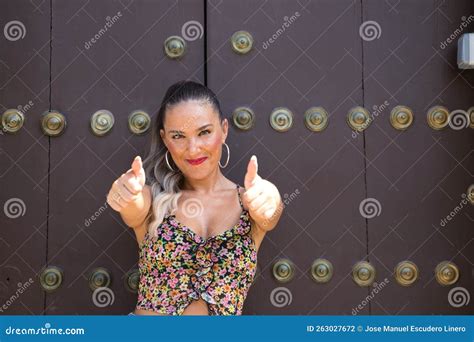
point(166, 184)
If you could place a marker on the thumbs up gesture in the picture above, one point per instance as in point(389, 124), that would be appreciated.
point(261, 198)
point(127, 187)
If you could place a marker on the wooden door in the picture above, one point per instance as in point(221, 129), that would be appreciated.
point(419, 175)
point(314, 62)
point(24, 156)
point(372, 198)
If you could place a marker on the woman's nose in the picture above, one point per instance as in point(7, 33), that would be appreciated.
point(193, 145)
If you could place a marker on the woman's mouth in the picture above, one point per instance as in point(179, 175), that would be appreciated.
point(196, 161)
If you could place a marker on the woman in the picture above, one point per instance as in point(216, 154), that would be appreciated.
point(198, 232)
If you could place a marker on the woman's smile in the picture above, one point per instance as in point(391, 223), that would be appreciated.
point(196, 161)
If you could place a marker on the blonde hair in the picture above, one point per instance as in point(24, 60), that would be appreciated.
point(165, 188)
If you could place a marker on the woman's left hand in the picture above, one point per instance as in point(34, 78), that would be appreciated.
point(261, 197)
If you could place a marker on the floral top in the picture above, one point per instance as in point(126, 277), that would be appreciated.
point(179, 266)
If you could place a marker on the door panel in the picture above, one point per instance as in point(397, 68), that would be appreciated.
point(320, 175)
point(24, 86)
point(418, 175)
point(122, 70)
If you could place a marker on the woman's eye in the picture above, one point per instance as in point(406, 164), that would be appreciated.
point(178, 136)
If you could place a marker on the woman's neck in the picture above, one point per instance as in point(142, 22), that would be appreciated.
point(214, 182)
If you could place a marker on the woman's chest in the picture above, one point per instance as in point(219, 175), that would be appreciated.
point(175, 249)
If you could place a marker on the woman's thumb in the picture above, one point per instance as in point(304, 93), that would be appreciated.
point(137, 165)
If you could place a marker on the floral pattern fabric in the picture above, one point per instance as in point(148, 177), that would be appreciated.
point(179, 266)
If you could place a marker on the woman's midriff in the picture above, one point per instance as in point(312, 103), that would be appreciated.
point(198, 307)
point(147, 312)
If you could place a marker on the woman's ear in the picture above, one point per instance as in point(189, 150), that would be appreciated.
point(163, 137)
point(225, 129)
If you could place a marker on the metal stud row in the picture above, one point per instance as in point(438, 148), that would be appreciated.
point(358, 118)
point(363, 272)
point(316, 119)
point(175, 47)
point(53, 123)
point(51, 278)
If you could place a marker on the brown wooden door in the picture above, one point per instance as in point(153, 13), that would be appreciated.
point(420, 175)
point(322, 173)
point(80, 57)
point(123, 71)
point(339, 55)
point(24, 157)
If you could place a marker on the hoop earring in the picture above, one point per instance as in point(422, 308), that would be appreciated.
point(228, 157)
point(167, 161)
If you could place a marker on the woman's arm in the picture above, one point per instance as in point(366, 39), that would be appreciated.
point(262, 198)
point(135, 214)
point(130, 196)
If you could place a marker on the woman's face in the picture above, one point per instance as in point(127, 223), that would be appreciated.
point(194, 136)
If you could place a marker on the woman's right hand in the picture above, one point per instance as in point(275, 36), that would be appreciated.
point(128, 187)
